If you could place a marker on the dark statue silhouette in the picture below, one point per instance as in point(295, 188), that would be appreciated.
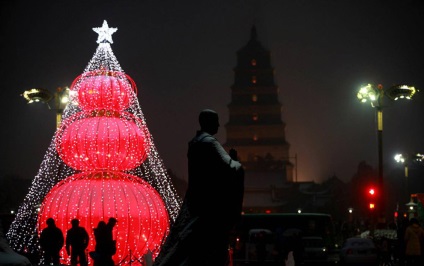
point(212, 204)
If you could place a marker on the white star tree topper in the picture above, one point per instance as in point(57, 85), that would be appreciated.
point(105, 33)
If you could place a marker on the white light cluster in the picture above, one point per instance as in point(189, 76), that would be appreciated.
point(105, 33)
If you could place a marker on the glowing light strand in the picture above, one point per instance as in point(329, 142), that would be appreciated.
point(113, 188)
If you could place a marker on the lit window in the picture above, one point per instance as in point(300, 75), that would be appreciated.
point(254, 79)
point(255, 117)
point(253, 62)
point(254, 98)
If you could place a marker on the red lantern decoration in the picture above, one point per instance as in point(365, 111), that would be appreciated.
point(92, 197)
point(109, 90)
point(104, 142)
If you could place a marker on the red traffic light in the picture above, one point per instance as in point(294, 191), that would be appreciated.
point(372, 198)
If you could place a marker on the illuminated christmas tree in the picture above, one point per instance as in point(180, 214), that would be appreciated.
point(101, 163)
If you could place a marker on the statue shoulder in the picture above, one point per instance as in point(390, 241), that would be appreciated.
point(203, 137)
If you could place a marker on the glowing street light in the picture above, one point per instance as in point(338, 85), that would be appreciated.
point(61, 99)
point(401, 92)
point(37, 95)
point(406, 159)
point(412, 208)
point(350, 214)
point(375, 96)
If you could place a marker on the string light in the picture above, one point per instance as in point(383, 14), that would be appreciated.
point(102, 89)
point(127, 180)
point(105, 141)
point(131, 200)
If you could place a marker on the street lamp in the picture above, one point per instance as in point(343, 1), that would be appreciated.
point(406, 159)
point(412, 208)
point(350, 214)
point(375, 95)
point(60, 96)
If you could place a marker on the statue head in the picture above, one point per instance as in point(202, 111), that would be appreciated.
point(209, 121)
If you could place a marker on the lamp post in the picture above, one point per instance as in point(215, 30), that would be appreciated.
point(406, 159)
point(411, 208)
point(60, 96)
point(375, 95)
point(350, 214)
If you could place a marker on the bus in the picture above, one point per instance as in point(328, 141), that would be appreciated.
point(275, 234)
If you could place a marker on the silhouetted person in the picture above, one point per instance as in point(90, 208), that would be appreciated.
point(212, 203)
point(280, 245)
point(105, 244)
point(261, 241)
point(401, 245)
point(51, 242)
point(98, 255)
point(414, 237)
point(76, 243)
point(298, 248)
point(109, 235)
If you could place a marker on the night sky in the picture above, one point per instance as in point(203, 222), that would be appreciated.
point(181, 54)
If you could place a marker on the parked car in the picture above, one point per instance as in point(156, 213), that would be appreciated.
point(314, 250)
point(259, 246)
point(358, 251)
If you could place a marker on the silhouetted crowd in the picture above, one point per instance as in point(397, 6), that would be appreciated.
point(76, 243)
